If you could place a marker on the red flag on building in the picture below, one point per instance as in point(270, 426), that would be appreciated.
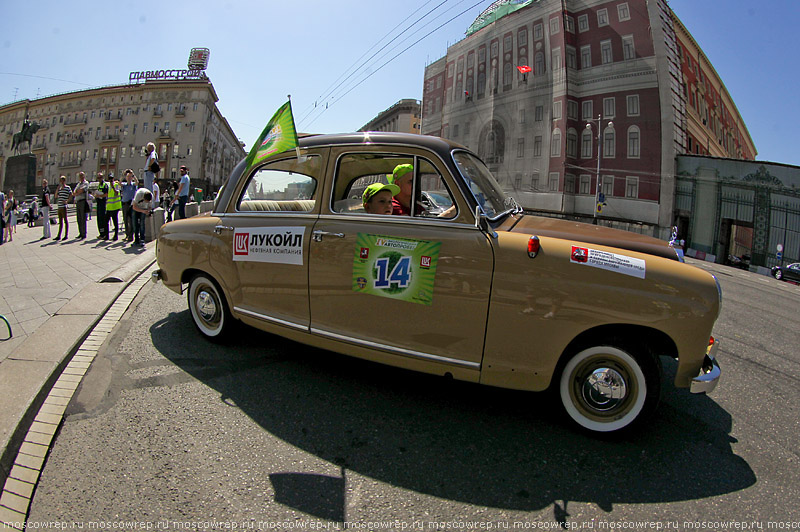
point(524, 69)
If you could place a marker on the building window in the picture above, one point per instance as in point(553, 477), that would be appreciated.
point(632, 187)
point(569, 184)
point(556, 110)
point(555, 143)
point(586, 56)
point(189, 150)
point(556, 62)
point(609, 108)
point(609, 141)
point(608, 186)
point(583, 23)
point(602, 17)
point(586, 144)
point(628, 50)
point(623, 12)
point(572, 143)
point(522, 116)
point(522, 37)
point(606, 55)
point(570, 23)
point(554, 26)
point(194, 107)
point(455, 131)
point(520, 147)
point(539, 113)
point(633, 142)
point(537, 146)
point(572, 57)
point(507, 44)
point(495, 49)
point(535, 182)
point(553, 182)
point(518, 182)
point(586, 112)
point(507, 77)
point(572, 109)
point(585, 184)
point(537, 32)
point(539, 64)
point(633, 104)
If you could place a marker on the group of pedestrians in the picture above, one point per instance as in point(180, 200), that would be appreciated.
point(110, 198)
point(8, 216)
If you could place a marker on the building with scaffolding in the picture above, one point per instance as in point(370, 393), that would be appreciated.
point(580, 107)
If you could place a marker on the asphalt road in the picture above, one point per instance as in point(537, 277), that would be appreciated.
point(172, 431)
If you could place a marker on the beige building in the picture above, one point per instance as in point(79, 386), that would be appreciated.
point(106, 129)
point(402, 117)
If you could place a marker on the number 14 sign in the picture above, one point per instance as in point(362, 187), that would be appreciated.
point(398, 268)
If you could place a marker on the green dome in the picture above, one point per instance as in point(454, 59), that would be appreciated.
point(497, 10)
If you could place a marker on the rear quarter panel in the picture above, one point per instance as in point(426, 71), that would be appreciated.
point(538, 306)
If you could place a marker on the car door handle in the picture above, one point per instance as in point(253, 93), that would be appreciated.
point(218, 229)
point(316, 236)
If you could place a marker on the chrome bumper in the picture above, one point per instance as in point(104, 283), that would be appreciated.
point(155, 276)
point(709, 375)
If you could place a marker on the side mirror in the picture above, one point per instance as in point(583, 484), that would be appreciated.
point(482, 222)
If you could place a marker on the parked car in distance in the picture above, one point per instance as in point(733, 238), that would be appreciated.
point(480, 292)
point(787, 273)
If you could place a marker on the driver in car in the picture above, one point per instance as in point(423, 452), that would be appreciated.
point(403, 177)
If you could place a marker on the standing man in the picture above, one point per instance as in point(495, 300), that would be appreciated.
point(101, 196)
point(81, 195)
point(142, 206)
point(113, 205)
point(129, 187)
point(152, 159)
point(182, 196)
point(63, 192)
point(45, 210)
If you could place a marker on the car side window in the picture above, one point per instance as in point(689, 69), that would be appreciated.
point(286, 185)
point(356, 172)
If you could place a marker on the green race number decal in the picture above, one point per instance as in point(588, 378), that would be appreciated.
point(393, 267)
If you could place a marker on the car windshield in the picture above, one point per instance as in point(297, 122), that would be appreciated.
point(492, 199)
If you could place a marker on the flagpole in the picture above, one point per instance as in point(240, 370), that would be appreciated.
point(296, 148)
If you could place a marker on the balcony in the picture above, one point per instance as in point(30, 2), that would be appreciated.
point(180, 111)
point(158, 112)
point(71, 140)
point(39, 146)
point(72, 163)
point(75, 122)
point(164, 133)
point(113, 117)
point(113, 137)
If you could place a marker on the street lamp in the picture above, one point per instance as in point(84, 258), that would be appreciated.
point(599, 158)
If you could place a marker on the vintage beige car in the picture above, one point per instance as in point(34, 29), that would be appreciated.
point(478, 291)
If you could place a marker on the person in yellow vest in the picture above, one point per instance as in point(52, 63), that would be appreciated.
point(114, 204)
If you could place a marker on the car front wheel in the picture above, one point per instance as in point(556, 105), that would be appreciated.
point(605, 388)
point(208, 307)
point(778, 275)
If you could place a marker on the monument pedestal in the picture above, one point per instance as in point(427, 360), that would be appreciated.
point(20, 175)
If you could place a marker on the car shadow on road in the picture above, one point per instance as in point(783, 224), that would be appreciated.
point(448, 439)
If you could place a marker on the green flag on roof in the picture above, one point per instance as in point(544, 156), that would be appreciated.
point(279, 135)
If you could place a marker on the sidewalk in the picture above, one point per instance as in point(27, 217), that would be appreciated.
point(52, 293)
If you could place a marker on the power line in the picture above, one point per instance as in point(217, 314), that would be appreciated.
point(396, 56)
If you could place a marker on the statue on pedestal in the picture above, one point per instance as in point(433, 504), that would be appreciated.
point(26, 135)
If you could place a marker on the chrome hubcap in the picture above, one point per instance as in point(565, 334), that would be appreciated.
point(604, 389)
point(206, 305)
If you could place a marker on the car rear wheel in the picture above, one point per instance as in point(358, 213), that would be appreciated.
point(605, 388)
point(208, 307)
point(778, 275)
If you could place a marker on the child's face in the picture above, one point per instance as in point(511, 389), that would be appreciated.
point(380, 203)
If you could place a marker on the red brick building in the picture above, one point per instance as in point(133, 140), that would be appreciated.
point(532, 81)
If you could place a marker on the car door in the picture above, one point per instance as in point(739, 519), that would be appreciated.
point(411, 286)
point(267, 231)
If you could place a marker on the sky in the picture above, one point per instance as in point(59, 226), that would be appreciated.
point(263, 51)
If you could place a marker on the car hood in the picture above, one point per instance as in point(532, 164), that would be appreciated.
point(590, 234)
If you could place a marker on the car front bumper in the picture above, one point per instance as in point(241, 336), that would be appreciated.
point(710, 372)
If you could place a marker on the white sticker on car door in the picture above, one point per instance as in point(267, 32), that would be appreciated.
point(281, 245)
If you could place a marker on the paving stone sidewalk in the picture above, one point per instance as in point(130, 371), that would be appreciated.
point(52, 293)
